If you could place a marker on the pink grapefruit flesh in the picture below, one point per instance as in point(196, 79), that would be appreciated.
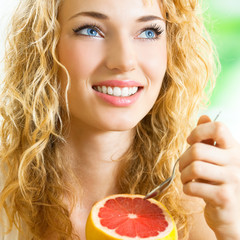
point(130, 217)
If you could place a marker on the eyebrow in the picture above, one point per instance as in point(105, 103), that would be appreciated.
point(91, 14)
point(101, 16)
point(149, 18)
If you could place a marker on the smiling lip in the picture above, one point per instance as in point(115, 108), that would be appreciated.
point(119, 101)
point(118, 83)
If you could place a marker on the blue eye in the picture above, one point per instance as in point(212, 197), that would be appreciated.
point(88, 30)
point(148, 34)
point(152, 33)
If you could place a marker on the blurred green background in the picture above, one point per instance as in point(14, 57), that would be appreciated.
point(223, 22)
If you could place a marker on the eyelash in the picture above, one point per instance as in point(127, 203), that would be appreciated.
point(154, 27)
point(93, 26)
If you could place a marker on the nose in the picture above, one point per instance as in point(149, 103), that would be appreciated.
point(121, 55)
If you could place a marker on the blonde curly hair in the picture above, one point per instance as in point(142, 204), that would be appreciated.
point(34, 116)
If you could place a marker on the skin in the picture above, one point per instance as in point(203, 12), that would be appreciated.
point(120, 53)
point(212, 173)
point(94, 142)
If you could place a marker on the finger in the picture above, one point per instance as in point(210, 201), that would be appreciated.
point(217, 195)
point(203, 152)
point(205, 119)
point(202, 171)
point(212, 130)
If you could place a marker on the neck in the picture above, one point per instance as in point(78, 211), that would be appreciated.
point(94, 157)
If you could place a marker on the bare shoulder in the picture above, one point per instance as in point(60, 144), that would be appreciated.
point(199, 229)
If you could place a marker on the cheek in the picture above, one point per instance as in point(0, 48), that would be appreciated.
point(80, 58)
point(153, 61)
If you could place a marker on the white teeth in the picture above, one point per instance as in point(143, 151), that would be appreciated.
point(117, 91)
point(125, 92)
point(104, 89)
point(135, 89)
point(109, 90)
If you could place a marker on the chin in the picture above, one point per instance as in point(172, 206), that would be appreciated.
point(108, 122)
point(121, 126)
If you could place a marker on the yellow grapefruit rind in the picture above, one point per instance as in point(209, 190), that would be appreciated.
point(95, 233)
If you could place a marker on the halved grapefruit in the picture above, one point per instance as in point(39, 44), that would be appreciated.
point(128, 217)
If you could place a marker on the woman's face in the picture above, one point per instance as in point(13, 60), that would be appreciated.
point(115, 53)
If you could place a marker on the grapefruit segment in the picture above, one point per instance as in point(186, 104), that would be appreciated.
point(128, 217)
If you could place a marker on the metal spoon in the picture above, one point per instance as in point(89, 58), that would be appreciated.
point(165, 184)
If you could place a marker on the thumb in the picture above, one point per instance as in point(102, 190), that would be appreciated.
point(205, 119)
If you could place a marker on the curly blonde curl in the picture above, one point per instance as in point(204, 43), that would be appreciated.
point(33, 118)
point(32, 127)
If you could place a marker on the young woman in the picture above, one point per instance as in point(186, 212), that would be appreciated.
point(101, 97)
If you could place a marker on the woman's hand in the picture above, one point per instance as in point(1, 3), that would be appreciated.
point(212, 172)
